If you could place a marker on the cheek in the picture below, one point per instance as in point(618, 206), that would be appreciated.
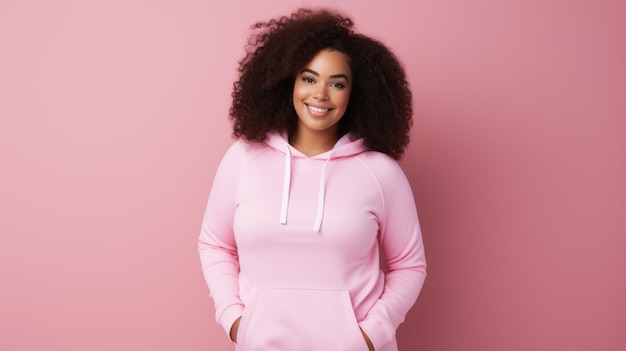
point(343, 100)
point(294, 94)
point(299, 91)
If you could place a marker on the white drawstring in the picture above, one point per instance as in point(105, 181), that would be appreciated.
point(286, 184)
point(321, 195)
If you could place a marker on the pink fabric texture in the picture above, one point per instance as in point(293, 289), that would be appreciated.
point(310, 283)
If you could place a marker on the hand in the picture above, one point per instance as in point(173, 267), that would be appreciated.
point(368, 341)
point(234, 329)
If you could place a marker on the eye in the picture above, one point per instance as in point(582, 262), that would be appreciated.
point(337, 85)
point(308, 79)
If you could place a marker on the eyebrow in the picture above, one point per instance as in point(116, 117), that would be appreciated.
point(334, 76)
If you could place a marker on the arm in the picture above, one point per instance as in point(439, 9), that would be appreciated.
point(403, 252)
point(216, 244)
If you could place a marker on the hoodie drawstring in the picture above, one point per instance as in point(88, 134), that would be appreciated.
point(286, 185)
point(321, 194)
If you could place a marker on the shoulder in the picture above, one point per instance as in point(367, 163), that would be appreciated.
point(394, 187)
point(382, 166)
point(243, 149)
point(241, 153)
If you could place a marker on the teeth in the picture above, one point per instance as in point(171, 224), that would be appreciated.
point(317, 109)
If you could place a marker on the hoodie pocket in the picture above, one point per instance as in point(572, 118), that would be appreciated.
point(300, 319)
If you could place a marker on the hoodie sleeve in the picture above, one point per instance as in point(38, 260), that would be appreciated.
point(403, 255)
point(216, 243)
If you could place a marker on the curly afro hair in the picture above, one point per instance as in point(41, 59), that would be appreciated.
point(380, 107)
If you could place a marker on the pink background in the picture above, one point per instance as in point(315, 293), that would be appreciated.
point(113, 120)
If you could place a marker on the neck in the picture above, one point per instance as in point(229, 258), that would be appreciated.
point(311, 144)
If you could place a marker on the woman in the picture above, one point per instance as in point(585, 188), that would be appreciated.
point(310, 196)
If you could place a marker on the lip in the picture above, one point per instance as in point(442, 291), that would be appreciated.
point(318, 110)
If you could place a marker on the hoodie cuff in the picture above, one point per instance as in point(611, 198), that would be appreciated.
point(229, 316)
point(377, 331)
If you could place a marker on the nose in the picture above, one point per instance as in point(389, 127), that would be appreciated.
point(320, 92)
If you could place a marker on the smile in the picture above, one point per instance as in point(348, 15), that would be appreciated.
point(318, 109)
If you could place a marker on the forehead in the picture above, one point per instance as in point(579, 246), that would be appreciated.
point(330, 62)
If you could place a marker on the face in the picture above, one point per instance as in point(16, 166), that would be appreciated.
point(321, 93)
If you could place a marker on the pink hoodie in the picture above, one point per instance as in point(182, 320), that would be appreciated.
point(291, 243)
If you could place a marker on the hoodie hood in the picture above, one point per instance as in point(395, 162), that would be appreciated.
point(346, 146)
